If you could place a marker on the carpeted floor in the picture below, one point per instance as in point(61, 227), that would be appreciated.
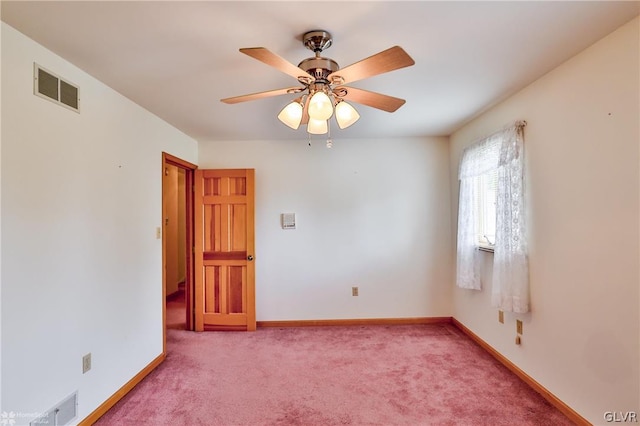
point(373, 375)
point(176, 311)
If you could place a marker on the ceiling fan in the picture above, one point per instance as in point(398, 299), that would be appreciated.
point(323, 84)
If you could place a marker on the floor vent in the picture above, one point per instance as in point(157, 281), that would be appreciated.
point(60, 415)
point(49, 86)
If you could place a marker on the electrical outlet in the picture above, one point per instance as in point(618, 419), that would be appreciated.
point(86, 363)
point(518, 326)
point(501, 317)
point(354, 291)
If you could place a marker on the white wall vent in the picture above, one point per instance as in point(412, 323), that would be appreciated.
point(50, 86)
point(61, 414)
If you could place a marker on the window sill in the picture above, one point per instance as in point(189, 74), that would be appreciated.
point(486, 248)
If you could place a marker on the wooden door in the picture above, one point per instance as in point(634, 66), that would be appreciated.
point(224, 250)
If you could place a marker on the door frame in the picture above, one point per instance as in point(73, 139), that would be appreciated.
point(189, 169)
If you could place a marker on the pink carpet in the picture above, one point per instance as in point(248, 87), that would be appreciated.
point(176, 312)
point(374, 375)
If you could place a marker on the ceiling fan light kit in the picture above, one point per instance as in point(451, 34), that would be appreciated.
point(317, 127)
point(291, 115)
point(323, 92)
point(320, 106)
point(346, 115)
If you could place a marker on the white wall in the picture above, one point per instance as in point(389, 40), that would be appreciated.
point(81, 266)
point(581, 338)
point(371, 213)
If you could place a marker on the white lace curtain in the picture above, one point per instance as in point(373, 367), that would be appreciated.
point(503, 152)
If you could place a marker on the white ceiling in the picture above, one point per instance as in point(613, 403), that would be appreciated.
point(177, 59)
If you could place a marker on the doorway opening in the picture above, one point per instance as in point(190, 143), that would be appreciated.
point(177, 244)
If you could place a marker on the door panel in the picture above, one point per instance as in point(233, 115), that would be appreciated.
point(224, 225)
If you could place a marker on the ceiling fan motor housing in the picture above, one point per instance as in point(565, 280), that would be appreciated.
point(319, 67)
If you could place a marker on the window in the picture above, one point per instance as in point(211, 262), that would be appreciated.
point(492, 216)
point(485, 206)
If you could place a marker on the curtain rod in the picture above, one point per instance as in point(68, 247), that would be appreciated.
point(517, 123)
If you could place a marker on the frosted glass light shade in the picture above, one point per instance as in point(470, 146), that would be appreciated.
point(291, 115)
point(346, 115)
point(317, 127)
point(320, 106)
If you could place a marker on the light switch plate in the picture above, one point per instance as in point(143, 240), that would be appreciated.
point(86, 363)
point(288, 220)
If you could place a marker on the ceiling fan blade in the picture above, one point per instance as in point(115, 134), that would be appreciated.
point(260, 95)
point(268, 57)
point(372, 99)
point(388, 60)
